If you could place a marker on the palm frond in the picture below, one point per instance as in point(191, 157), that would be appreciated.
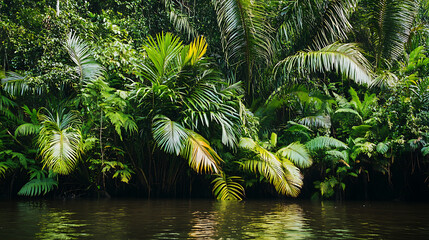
point(18, 85)
point(293, 177)
point(201, 157)
point(245, 33)
point(162, 53)
point(196, 50)
point(281, 173)
point(168, 135)
point(228, 187)
point(27, 129)
point(317, 121)
point(80, 53)
point(6, 165)
point(335, 24)
point(349, 111)
point(315, 23)
point(338, 155)
point(323, 142)
point(297, 153)
point(179, 20)
point(385, 79)
point(5, 105)
point(265, 155)
point(297, 127)
point(344, 59)
point(60, 141)
point(273, 173)
point(391, 21)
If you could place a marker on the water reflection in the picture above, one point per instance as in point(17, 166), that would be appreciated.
point(175, 219)
point(283, 221)
point(74, 220)
point(60, 225)
point(235, 220)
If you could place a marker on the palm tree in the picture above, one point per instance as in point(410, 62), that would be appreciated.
point(249, 43)
point(317, 26)
point(384, 28)
point(389, 23)
point(179, 94)
point(245, 33)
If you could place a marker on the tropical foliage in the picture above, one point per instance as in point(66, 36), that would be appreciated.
point(323, 98)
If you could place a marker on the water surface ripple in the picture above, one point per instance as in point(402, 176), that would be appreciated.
point(205, 219)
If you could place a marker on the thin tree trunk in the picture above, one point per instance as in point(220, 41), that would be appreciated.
point(58, 8)
point(101, 148)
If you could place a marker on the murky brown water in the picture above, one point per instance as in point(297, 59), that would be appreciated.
point(205, 219)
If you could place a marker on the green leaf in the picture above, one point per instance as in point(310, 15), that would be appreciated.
point(169, 136)
point(37, 187)
point(382, 147)
point(349, 111)
point(80, 53)
point(273, 139)
point(324, 142)
point(296, 153)
point(60, 141)
point(425, 150)
point(228, 188)
point(245, 34)
point(341, 58)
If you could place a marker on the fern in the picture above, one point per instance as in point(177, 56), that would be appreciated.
point(27, 129)
point(6, 166)
point(338, 155)
point(382, 147)
point(323, 142)
point(37, 187)
point(349, 111)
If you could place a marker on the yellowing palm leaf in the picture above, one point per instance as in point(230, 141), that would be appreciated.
point(281, 173)
point(196, 50)
point(201, 157)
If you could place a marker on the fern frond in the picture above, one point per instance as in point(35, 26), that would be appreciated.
point(323, 142)
point(37, 187)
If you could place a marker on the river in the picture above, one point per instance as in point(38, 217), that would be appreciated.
point(206, 219)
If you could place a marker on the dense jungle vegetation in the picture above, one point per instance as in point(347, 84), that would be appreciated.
point(321, 99)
